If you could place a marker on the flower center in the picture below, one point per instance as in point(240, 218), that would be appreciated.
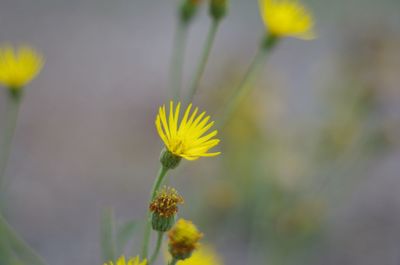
point(179, 146)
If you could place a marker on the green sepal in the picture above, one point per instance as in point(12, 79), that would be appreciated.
point(169, 160)
point(162, 223)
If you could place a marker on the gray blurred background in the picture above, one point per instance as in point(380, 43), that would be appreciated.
point(86, 140)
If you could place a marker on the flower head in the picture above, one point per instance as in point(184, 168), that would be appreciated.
point(203, 256)
point(218, 8)
point(183, 239)
point(190, 139)
point(287, 18)
point(131, 261)
point(188, 10)
point(164, 207)
point(166, 202)
point(18, 67)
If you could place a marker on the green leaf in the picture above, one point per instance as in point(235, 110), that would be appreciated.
point(13, 242)
point(5, 251)
point(107, 242)
point(124, 235)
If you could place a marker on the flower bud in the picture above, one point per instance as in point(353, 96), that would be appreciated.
point(164, 208)
point(188, 9)
point(183, 239)
point(218, 9)
point(169, 160)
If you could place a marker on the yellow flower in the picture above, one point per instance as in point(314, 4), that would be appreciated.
point(203, 256)
point(287, 18)
point(183, 239)
point(18, 67)
point(190, 140)
point(132, 261)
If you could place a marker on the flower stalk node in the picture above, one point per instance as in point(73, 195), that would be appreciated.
point(16, 93)
point(269, 41)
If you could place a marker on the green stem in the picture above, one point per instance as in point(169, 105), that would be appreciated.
point(6, 254)
point(107, 240)
point(204, 58)
point(173, 261)
point(157, 249)
point(178, 58)
point(14, 103)
point(146, 236)
point(18, 245)
point(246, 84)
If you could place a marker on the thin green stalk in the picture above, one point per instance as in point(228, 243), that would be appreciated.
point(246, 84)
point(157, 249)
point(107, 229)
point(173, 261)
point(146, 236)
point(178, 59)
point(6, 254)
point(14, 103)
point(16, 243)
point(204, 58)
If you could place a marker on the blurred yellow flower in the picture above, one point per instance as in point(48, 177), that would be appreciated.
point(18, 66)
point(132, 261)
point(203, 256)
point(287, 18)
point(187, 140)
point(183, 239)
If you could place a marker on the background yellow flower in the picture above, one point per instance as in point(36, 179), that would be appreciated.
point(132, 261)
point(205, 255)
point(183, 239)
point(287, 18)
point(18, 66)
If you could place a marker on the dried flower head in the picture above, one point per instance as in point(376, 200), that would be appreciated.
point(166, 202)
point(183, 239)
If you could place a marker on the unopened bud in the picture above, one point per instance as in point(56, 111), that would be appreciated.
point(218, 9)
point(188, 10)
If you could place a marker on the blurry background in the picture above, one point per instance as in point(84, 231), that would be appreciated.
point(310, 166)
